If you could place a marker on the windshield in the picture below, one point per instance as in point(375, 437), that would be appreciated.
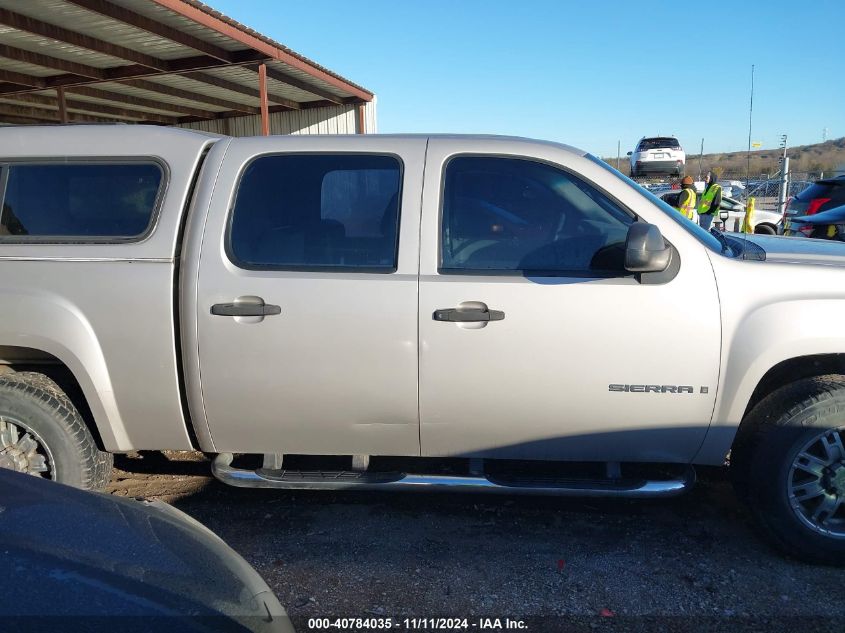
point(705, 237)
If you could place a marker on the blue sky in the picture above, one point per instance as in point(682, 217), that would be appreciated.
point(587, 73)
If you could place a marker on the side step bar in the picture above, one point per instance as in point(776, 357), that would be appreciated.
point(352, 480)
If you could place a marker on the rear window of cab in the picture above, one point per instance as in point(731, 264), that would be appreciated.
point(79, 201)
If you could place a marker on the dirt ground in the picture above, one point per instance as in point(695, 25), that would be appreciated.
point(689, 563)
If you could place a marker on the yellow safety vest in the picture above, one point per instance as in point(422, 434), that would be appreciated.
point(707, 199)
point(748, 220)
point(687, 208)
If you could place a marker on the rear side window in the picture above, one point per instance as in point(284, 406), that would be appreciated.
point(513, 215)
point(317, 212)
point(73, 201)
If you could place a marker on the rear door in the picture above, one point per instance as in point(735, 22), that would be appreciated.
point(307, 297)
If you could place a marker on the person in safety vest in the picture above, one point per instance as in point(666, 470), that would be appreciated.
point(686, 199)
point(711, 200)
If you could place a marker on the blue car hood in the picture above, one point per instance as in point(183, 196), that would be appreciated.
point(72, 553)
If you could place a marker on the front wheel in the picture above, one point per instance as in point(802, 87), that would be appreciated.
point(788, 465)
point(43, 434)
point(765, 229)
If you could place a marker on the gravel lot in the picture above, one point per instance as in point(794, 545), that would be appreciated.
point(679, 564)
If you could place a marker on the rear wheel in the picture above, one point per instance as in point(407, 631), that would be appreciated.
point(788, 465)
point(42, 434)
point(765, 229)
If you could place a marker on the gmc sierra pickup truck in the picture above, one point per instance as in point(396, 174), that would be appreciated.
point(409, 312)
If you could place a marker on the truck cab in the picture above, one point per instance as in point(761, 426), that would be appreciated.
point(413, 311)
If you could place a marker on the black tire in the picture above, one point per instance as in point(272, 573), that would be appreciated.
point(770, 439)
point(765, 229)
point(36, 405)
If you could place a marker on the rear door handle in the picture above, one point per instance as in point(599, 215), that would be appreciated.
point(454, 315)
point(244, 309)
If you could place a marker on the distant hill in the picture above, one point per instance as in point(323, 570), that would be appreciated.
point(824, 157)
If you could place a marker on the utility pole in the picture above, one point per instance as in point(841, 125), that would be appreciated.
point(783, 189)
point(618, 151)
point(700, 158)
point(750, 113)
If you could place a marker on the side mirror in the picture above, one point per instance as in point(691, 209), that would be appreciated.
point(629, 153)
point(645, 249)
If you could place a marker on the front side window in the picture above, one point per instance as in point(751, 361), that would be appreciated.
point(317, 211)
point(514, 215)
point(78, 201)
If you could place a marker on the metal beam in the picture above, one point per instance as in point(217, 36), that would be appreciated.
point(290, 80)
point(60, 97)
point(193, 12)
point(120, 73)
point(18, 82)
point(150, 25)
point(80, 40)
point(132, 100)
point(54, 105)
point(362, 118)
point(231, 114)
point(225, 84)
point(46, 115)
point(21, 79)
point(19, 120)
point(262, 89)
point(48, 61)
point(151, 86)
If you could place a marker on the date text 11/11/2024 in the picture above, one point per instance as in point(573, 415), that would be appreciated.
point(417, 624)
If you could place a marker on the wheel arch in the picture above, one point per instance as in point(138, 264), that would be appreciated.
point(777, 334)
point(83, 376)
point(793, 369)
point(722, 435)
point(768, 225)
point(15, 359)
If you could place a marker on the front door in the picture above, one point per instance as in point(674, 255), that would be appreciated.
point(307, 297)
point(535, 343)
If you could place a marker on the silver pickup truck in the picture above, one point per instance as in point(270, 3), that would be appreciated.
point(409, 312)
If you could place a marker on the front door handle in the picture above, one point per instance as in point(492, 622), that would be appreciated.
point(469, 315)
point(245, 309)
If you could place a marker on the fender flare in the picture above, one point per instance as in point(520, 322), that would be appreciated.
point(51, 324)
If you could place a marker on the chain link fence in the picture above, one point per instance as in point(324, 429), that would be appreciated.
point(765, 188)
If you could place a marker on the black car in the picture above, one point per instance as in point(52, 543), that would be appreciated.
point(820, 197)
point(74, 560)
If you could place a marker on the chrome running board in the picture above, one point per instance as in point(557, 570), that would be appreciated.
point(352, 480)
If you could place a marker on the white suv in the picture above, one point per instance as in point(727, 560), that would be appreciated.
point(658, 155)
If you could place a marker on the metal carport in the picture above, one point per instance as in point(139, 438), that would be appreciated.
point(167, 62)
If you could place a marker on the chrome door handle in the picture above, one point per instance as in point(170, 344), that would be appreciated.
point(455, 315)
point(244, 309)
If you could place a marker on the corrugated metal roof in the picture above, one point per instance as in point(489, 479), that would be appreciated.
point(210, 11)
point(138, 48)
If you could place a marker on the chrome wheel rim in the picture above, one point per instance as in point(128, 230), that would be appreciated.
point(816, 485)
point(23, 450)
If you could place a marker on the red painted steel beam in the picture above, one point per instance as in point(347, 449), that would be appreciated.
point(262, 89)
